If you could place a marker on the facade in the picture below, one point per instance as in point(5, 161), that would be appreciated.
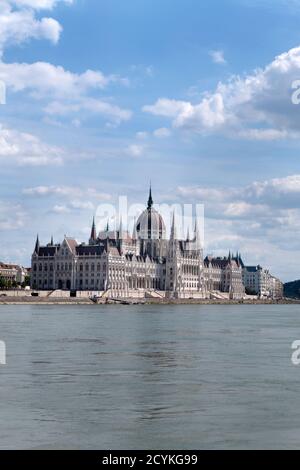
point(145, 263)
point(259, 281)
point(12, 273)
point(224, 275)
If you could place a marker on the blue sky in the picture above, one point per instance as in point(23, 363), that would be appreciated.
point(104, 95)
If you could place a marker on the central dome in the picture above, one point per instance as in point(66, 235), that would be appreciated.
point(150, 224)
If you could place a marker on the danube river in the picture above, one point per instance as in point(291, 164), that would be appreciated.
point(159, 377)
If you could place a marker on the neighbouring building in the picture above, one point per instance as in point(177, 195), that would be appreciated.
point(259, 281)
point(13, 273)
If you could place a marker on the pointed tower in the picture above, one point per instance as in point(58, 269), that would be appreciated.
point(120, 232)
point(37, 245)
point(173, 228)
point(136, 239)
point(150, 200)
point(171, 265)
point(51, 241)
point(134, 234)
point(93, 236)
point(197, 239)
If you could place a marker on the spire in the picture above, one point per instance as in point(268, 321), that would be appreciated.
point(173, 228)
point(93, 231)
point(37, 245)
point(196, 234)
point(51, 241)
point(107, 230)
point(121, 228)
point(150, 200)
point(229, 256)
point(188, 235)
point(134, 234)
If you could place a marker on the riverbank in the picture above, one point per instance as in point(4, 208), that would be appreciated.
point(26, 300)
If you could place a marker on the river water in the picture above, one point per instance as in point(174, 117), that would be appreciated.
point(149, 377)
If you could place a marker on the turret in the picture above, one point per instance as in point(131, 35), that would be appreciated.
point(37, 245)
point(173, 228)
point(93, 236)
point(150, 200)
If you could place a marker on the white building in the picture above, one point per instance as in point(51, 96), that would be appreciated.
point(144, 263)
point(13, 273)
point(259, 281)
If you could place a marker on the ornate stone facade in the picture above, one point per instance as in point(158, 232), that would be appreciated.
point(145, 263)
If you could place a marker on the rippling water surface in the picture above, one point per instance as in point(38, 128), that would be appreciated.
point(109, 377)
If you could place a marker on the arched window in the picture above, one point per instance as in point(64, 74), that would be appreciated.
point(86, 267)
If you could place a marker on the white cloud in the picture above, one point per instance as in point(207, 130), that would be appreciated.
point(257, 106)
point(142, 135)
point(72, 206)
point(90, 105)
point(60, 209)
point(20, 25)
point(135, 150)
point(12, 216)
point(39, 4)
point(43, 80)
point(69, 91)
point(217, 57)
point(162, 133)
point(66, 191)
point(263, 134)
point(27, 149)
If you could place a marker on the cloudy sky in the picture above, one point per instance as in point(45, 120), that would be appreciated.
point(104, 95)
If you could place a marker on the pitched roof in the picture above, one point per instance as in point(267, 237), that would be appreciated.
point(86, 250)
point(72, 243)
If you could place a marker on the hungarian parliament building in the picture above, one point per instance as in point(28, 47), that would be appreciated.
point(146, 264)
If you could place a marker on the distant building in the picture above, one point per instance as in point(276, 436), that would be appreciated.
point(13, 273)
point(224, 275)
point(143, 263)
point(259, 281)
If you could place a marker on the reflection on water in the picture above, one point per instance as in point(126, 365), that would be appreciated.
point(176, 377)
